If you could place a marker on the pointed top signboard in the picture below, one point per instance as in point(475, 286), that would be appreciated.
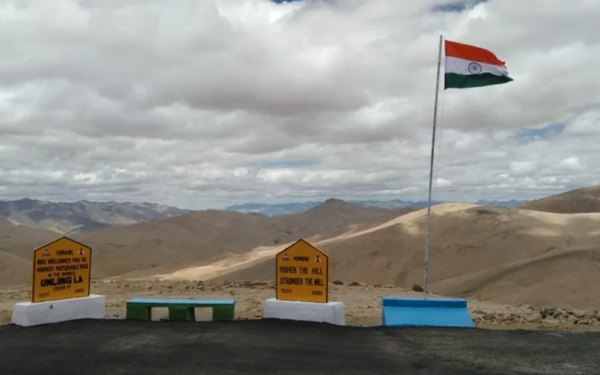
point(61, 270)
point(302, 273)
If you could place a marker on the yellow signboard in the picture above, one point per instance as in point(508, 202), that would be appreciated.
point(302, 274)
point(61, 270)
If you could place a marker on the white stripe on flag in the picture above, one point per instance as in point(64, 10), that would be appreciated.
point(466, 67)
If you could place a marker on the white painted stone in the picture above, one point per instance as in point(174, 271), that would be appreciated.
point(331, 312)
point(31, 314)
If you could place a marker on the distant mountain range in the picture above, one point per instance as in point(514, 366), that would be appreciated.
point(82, 216)
point(165, 245)
point(85, 216)
point(272, 209)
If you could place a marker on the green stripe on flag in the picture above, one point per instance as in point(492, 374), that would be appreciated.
point(457, 81)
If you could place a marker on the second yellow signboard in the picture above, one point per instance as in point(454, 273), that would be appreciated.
point(302, 274)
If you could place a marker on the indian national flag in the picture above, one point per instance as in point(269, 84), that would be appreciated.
point(469, 66)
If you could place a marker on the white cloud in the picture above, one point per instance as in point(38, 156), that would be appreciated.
point(205, 102)
point(442, 182)
point(522, 168)
point(572, 163)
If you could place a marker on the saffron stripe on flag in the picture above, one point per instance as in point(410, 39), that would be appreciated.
point(471, 53)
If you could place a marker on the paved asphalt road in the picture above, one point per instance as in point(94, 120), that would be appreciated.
point(111, 347)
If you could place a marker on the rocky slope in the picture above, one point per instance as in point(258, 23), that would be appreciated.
point(81, 216)
point(584, 200)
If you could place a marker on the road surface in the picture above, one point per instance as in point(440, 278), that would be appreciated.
point(107, 347)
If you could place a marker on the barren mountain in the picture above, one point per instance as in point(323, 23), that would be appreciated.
point(500, 254)
point(16, 250)
point(504, 255)
point(81, 216)
point(201, 238)
point(331, 217)
point(573, 201)
point(272, 209)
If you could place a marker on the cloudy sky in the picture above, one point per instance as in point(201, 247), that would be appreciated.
point(204, 103)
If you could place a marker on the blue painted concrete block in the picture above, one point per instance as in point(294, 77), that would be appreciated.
point(423, 311)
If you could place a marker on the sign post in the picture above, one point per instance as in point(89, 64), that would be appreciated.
point(302, 274)
point(61, 270)
point(302, 287)
point(60, 286)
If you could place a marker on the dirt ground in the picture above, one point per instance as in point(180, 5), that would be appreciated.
point(362, 302)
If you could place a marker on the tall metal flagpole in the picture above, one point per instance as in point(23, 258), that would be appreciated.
point(428, 225)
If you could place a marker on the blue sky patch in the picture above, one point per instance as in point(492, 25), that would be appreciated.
point(457, 6)
point(544, 132)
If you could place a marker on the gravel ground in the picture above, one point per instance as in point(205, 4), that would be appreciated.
point(362, 303)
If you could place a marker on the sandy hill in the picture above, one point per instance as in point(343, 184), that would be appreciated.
point(201, 238)
point(332, 217)
point(506, 255)
point(16, 250)
point(166, 244)
point(573, 201)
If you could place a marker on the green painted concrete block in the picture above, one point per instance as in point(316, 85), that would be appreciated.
point(138, 312)
point(223, 313)
point(180, 310)
point(180, 313)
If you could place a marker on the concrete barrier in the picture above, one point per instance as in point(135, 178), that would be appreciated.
point(31, 314)
point(423, 311)
point(331, 312)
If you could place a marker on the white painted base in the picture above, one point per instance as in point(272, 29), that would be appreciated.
point(331, 312)
point(31, 314)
